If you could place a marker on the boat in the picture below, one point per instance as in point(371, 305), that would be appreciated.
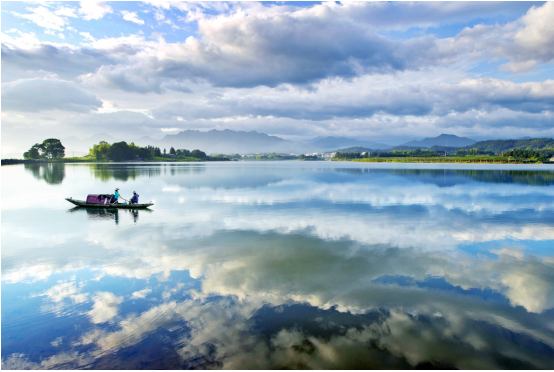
point(83, 203)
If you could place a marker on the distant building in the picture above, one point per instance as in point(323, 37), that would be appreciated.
point(170, 156)
point(441, 153)
point(328, 155)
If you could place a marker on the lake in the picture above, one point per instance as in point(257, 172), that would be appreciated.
point(279, 265)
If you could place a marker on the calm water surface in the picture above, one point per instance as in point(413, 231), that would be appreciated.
point(279, 265)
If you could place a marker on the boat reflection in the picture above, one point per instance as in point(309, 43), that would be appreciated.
point(109, 213)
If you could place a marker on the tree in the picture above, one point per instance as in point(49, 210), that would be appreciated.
point(172, 150)
point(100, 151)
point(157, 152)
point(198, 154)
point(164, 152)
point(121, 151)
point(53, 148)
point(34, 152)
point(143, 153)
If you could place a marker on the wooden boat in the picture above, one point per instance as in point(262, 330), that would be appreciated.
point(82, 203)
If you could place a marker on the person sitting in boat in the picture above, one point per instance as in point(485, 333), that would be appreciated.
point(115, 197)
point(134, 199)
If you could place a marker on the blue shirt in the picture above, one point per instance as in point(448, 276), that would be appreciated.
point(134, 199)
point(116, 195)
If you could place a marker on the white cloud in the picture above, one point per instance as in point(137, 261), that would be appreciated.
point(159, 16)
point(92, 10)
point(132, 329)
point(524, 41)
point(325, 83)
point(43, 17)
point(60, 292)
point(66, 12)
point(87, 36)
point(132, 17)
point(141, 294)
point(105, 307)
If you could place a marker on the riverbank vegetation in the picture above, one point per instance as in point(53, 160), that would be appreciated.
point(471, 155)
point(50, 148)
point(535, 150)
point(121, 151)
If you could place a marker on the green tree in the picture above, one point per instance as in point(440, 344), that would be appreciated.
point(120, 151)
point(143, 153)
point(53, 148)
point(198, 154)
point(172, 151)
point(100, 151)
point(34, 152)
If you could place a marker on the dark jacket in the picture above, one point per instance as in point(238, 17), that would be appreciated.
point(134, 199)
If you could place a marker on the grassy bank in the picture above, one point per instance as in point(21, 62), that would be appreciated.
point(442, 159)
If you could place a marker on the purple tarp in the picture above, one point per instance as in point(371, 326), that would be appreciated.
point(99, 199)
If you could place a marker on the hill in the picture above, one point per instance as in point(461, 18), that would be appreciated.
point(333, 143)
point(498, 146)
point(229, 142)
point(355, 149)
point(442, 140)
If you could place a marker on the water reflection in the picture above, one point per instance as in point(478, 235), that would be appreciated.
point(51, 173)
point(250, 300)
point(268, 266)
point(125, 172)
point(109, 213)
point(533, 178)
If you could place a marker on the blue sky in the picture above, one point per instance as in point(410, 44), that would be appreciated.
point(383, 71)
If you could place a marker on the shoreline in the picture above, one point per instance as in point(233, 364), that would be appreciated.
point(441, 160)
point(370, 160)
point(73, 160)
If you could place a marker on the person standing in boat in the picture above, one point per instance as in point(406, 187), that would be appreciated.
point(116, 196)
point(134, 199)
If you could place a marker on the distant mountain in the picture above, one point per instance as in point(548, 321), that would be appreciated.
point(449, 140)
point(504, 145)
point(229, 142)
point(355, 149)
point(333, 143)
point(73, 144)
point(144, 140)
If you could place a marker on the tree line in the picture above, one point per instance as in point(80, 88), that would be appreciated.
point(50, 148)
point(498, 146)
point(121, 151)
point(538, 155)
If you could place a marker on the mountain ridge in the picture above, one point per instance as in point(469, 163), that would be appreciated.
point(441, 140)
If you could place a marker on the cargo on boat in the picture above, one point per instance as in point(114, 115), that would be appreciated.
point(103, 200)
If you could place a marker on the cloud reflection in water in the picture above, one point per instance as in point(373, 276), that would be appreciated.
point(309, 269)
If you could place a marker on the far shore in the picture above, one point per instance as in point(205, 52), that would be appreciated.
point(451, 160)
point(82, 160)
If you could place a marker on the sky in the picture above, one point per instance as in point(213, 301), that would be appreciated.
point(383, 71)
